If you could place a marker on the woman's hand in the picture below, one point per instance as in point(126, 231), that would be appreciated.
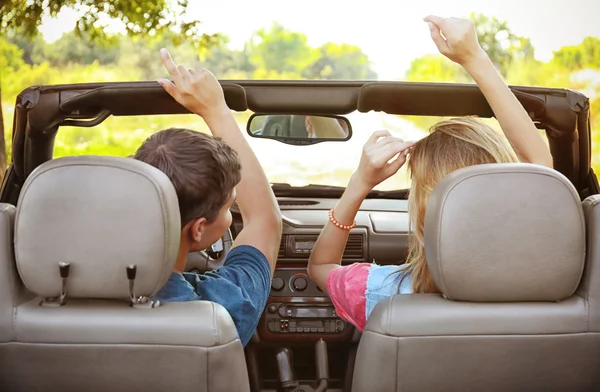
point(459, 40)
point(374, 166)
point(197, 90)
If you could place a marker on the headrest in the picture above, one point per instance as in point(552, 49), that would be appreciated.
point(100, 214)
point(505, 232)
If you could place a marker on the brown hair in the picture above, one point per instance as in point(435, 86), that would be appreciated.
point(452, 145)
point(203, 169)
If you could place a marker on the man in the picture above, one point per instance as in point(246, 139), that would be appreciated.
point(207, 172)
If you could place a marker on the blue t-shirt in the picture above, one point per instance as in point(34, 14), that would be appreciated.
point(241, 285)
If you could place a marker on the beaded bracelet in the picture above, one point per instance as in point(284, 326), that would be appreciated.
point(338, 224)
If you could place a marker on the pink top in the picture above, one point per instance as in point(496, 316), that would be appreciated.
point(346, 287)
point(356, 289)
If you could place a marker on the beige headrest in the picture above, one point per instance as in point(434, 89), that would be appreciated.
point(100, 214)
point(505, 232)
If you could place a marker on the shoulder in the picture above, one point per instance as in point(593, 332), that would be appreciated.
point(243, 253)
point(177, 289)
point(389, 278)
point(384, 282)
point(247, 258)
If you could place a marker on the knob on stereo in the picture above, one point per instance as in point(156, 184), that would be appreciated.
point(299, 283)
point(277, 284)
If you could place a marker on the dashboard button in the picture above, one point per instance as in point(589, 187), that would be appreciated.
point(299, 283)
point(272, 308)
point(277, 284)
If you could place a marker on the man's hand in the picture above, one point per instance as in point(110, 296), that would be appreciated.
point(374, 166)
point(459, 40)
point(198, 90)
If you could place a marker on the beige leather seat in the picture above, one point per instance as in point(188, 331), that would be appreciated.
point(506, 246)
point(102, 215)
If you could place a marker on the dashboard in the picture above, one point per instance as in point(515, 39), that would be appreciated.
point(297, 310)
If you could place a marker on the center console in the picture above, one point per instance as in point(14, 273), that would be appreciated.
point(300, 332)
point(298, 311)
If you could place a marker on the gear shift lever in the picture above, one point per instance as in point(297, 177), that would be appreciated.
point(285, 366)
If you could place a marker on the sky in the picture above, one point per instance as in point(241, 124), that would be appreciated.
point(391, 33)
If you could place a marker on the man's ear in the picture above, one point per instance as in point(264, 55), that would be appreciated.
point(197, 229)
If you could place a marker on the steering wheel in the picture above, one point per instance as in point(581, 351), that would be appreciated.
point(211, 258)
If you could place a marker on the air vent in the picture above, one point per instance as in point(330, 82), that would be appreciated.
point(297, 203)
point(354, 247)
point(281, 253)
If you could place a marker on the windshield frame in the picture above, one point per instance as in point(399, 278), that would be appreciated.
point(41, 110)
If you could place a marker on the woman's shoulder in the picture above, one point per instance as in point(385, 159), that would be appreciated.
point(389, 279)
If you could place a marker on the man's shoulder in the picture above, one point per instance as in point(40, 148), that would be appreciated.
point(177, 289)
point(246, 254)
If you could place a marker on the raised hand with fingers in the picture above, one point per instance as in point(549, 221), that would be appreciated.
point(198, 90)
point(455, 38)
point(376, 164)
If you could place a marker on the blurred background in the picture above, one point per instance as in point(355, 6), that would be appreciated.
point(537, 43)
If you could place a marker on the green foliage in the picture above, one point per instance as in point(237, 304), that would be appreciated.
point(504, 48)
point(273, 53)
point(280, 50)
point(340, 62)
point(72, 49)
point(139, 17)
point(278, 53)
point(584, 55)
point(435, 68)
point(11, 56)
point(500, 43)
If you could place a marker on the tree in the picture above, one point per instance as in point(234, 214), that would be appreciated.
point(434, 68)
point(584, 55)
point(340, 62)
point(500, 43)
point(139, 18)
point(229, 64)
point(280, 50)
point(11, 58)
point(73, 49)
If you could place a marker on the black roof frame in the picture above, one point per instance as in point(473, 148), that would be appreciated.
point(40, 111)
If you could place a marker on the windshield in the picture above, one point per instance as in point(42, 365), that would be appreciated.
point(326, 163)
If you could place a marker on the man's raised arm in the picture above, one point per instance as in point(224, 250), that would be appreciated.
point(201, 93)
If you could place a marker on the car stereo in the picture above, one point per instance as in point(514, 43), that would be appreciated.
point(303, 318)
point(302, 245)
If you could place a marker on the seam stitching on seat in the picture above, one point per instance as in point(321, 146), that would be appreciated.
point(12, 270)
point(397, 364)
point(389, 314)
point(216, 330)
point(207, 368)
point(589, 266)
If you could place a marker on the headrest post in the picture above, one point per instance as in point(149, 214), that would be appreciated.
point(63, 268)
point(131, 272)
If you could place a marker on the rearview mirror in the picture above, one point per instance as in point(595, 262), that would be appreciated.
point(299, 128)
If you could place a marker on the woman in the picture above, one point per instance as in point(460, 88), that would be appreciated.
point(452, 144)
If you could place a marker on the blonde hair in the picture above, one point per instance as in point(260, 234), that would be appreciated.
point(452, 145)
